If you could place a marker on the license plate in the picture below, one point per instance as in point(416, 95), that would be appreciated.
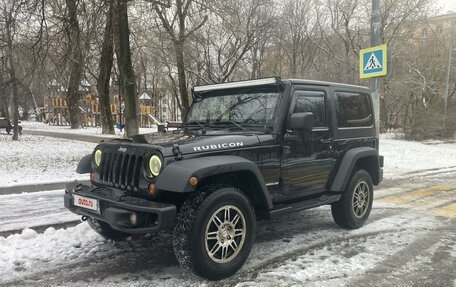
point(86, 202)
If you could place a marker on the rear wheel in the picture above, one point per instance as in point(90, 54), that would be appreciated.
point(106, 230)
point(214, 232)
point(353, 209)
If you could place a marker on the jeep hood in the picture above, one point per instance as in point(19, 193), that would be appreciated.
point(191, 143)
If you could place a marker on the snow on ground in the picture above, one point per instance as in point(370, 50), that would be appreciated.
point(31, 252)
point(31, 125)
point(316, 249)
point(35, 159)
point(315, 246)
point(402, 157)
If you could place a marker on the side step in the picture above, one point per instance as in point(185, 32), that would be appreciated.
point(306, 204)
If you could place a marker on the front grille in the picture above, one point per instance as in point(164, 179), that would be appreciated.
point(121, 170)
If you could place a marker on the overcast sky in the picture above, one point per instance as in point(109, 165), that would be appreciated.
point(447, 5)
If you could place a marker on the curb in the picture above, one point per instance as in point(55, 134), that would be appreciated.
point(36, 187)
point(41, 228)
point(68, 136)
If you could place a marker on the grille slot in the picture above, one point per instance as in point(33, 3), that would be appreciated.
point(121, 170)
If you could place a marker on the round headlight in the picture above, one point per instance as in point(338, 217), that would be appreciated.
point(98, 157)
point(155, 165)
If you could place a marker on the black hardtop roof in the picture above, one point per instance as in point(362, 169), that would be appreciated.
point(273, 81)
point(323, 83)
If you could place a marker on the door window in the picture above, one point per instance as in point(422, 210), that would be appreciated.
point(312, 101)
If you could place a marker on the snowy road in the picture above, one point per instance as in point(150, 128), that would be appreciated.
point(410, 239)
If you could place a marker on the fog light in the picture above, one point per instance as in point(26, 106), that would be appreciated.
point(193, 181)
point(133, 218)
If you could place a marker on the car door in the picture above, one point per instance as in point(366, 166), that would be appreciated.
point(308, 155)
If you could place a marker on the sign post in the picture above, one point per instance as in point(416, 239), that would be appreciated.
point(376, 38)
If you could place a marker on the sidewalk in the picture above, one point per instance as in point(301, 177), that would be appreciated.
point(37, 210)
point(69, 136)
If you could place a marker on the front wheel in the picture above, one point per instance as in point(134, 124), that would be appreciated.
point(353, 209)
point(214, 232)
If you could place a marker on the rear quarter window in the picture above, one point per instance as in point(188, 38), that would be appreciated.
point(353, 110)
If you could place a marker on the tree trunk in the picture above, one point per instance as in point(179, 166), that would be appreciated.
point(181, 76)
point(127, 76)
point(106, 59)
point(12, 75)
point(76, 59)
point(254, 73)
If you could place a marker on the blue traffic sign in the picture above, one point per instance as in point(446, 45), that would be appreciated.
point(372, 62)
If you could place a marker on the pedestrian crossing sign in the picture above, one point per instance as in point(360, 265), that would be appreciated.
point(372, 62)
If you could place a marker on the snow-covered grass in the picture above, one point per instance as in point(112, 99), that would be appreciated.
point(38, 159)
point(35, 159)
point(402, 157)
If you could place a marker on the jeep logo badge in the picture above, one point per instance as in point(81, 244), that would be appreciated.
point(122, 149)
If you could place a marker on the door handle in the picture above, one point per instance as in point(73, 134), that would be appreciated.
point(326, 141)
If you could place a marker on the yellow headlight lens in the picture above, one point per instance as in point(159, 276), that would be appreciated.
point(155, 165)
point(98, 157)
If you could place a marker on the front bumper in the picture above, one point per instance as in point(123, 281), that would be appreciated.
point(116, 208)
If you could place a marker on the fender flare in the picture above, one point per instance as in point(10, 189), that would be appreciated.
point(174, 177)
point(85, 164)
point(347, 165)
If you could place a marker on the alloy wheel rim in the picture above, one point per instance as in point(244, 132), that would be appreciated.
point(225, 234)
point(360, 200)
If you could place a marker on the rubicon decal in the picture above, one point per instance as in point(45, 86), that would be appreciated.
point(218, 146)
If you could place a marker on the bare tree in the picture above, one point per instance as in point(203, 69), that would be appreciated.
point(230, 41)
point(76, 58)
point(9, 14)
point(105, 67)
point(127, 76)
point(174, 19)
point(13, 15)
point(297, 33)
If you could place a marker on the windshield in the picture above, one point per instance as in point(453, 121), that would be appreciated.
point(238, 110)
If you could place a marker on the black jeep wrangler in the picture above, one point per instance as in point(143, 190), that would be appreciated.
point(246, 150)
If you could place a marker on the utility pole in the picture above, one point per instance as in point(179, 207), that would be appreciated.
point(376, 24)
point(450, 52)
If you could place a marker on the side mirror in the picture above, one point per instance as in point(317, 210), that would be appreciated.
point(302, 121)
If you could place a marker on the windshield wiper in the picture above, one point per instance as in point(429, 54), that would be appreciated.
point(230, 122)
point(194, 123)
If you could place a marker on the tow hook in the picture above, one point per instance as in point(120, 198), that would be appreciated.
point(84, 218)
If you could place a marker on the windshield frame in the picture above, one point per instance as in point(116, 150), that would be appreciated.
point(247, 127)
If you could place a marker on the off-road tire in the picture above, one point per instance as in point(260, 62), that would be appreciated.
point(193, 222)
point(106, 231)
point(345, 212)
